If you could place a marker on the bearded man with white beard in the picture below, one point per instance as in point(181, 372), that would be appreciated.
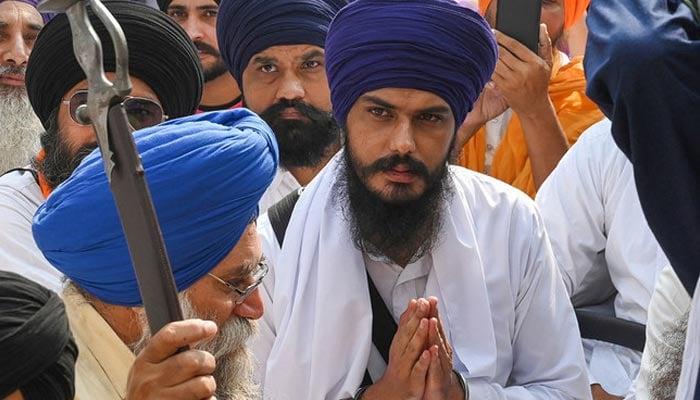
point(20, 23)
point(206, 174)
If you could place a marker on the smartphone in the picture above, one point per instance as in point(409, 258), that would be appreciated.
point(520, 19)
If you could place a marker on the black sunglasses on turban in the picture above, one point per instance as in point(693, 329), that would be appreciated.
point(141, 112)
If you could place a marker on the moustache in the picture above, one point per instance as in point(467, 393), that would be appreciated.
point(11, 69)
point(205, 48)
point(272, 113)
point(390, 162)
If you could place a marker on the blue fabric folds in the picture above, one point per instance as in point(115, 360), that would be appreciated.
point(643, 74)
point(247, 27)
point(206, 174)
point(431, 45)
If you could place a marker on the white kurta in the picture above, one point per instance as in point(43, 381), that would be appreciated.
point(283, 184)
point(602, 242)
point(504, 307)
point(20, 196)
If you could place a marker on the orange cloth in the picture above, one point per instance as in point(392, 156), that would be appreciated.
point(45, 189)
point(511, 163)
point(573, 10)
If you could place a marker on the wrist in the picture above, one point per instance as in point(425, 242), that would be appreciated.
point(462, 387)
point(359, 392)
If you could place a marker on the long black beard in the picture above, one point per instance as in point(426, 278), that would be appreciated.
point(59, 161)
point(301, 143)
point(402, 230)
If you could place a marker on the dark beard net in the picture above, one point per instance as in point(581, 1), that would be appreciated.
point(303, 143)
point(406, 229)
point(60, 161)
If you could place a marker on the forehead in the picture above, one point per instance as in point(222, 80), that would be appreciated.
point(288, 52)
point(408, 100)
point(17, 12)
point(193, 4)
point(139, 88)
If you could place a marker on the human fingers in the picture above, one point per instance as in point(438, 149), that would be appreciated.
point(515, 48)
point(545, 46)
point(197, 388)
point(176, 335)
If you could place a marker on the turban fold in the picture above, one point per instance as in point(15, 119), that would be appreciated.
point(434, 46)
point(160, 54)
point(45, 16)
point(244, 28)
point(206, 175)
point(573, 10)
point(38, 350)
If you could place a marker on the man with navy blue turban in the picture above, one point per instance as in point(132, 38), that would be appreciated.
point(644, 76)
point(206, 174)
point(387, 234)
point(275, 51)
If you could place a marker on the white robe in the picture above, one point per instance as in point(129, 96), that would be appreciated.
point(20, 196)
point(283, 184)
point(503, 305)
point(602, 242)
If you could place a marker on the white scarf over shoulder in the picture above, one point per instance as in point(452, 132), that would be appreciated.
point(322, 311)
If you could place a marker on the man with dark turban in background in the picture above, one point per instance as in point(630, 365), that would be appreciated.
point(38, 350)
point(206, 174)
point(20, 23)
point(533, 109)
point(387, 224)
point(167, 81)
point(275, 51)
point(198, 18)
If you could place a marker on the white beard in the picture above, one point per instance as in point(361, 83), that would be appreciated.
point(235, 364)
point(19, 128)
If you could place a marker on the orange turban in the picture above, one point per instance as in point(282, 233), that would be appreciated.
point(573, 10)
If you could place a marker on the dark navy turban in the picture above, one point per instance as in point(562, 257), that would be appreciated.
point(206, 175)
point(431, 45)
point(38, 350)
point(244, 28)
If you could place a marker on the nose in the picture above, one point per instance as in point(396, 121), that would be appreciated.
point(17, 51)
point(291, 88)
point(193, 29)
point(402, 139)
point(252, 307)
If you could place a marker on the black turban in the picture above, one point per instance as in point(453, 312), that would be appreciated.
point(244, 28)
point(163, 4)
point(38, 350)
point(160, 54)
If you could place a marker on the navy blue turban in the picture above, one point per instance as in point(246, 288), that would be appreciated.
point(244, 28)
point(206, 175)
point(643, 74)
point(431, 45)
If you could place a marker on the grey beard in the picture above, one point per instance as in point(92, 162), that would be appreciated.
point(19, 128)
point(667, 360)
point(235, 365)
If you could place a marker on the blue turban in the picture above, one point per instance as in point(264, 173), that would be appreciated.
point(431, 45)
point(206, 174)
point(244, 28)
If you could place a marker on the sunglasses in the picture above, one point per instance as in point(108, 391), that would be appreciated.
point(140, 112)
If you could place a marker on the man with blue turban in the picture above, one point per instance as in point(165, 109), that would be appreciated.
point(206, 174)
point(401, 277)
point(275, 51)
point(166, 82)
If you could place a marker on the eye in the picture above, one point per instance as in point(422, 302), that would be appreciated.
point(210, 13)
point(431, 117)
point(379, 112)
point(311, 64)
point(268, 68)
point(177, 14)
